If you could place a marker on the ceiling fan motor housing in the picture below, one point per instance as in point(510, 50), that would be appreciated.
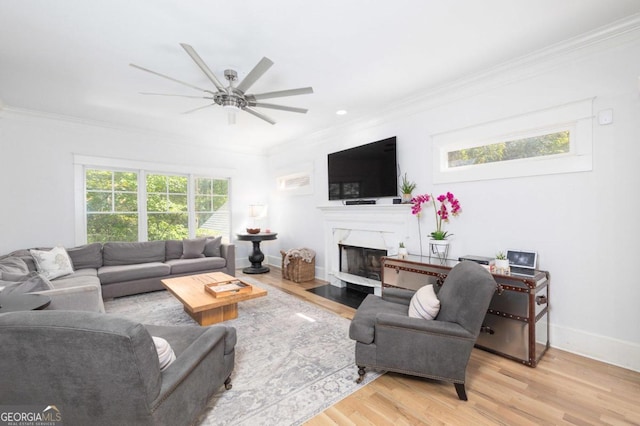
point(230, 101)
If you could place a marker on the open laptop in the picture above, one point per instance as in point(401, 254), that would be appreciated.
point(522, 262)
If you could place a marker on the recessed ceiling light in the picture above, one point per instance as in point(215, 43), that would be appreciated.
point(341, 111)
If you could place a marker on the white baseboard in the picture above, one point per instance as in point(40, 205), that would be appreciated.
point(602, 348)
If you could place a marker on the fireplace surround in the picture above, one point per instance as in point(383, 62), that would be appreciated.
point(377, 227)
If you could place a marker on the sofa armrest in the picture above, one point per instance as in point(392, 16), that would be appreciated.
point(405, 323)
point(218, 336)
point(397, 295)
point(228, 251)
point(80, 298)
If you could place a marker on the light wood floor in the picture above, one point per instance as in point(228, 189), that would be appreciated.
point(563, 389)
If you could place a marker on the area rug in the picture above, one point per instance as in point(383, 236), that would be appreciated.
point(293, 359)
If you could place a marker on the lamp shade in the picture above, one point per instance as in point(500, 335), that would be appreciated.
point(257, 211)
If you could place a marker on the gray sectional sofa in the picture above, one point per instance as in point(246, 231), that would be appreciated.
point(114, 269)
point(104, 370)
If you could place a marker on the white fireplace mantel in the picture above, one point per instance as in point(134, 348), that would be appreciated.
point(369, 225)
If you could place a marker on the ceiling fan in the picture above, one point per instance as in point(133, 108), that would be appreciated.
point(234, 98)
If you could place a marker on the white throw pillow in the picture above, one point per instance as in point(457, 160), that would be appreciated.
point(53, 263)
point(424, 303)
point(165, 353)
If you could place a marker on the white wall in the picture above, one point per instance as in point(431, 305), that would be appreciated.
point(583, 225)
point(37, 174)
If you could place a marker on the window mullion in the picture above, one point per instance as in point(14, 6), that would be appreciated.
point(142, 206)
point(191, 205)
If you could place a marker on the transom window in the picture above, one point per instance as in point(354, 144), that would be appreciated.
point(531, 147)
point(552, 140)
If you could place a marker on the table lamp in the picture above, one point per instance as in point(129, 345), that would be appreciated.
point(256, 212)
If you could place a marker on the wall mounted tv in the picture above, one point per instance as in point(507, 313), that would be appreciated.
point(366, 171)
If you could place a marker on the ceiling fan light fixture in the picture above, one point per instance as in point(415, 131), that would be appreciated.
point(231, 107)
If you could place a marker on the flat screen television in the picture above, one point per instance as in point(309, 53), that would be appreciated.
point(366, 171)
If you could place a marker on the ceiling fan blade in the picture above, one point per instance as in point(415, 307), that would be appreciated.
point(169, 78)
point(199, 108)
point(180, 96)
point(280, 107)
point(255, 74)
point(280, 93)
point(259, 115)
point(205, 69)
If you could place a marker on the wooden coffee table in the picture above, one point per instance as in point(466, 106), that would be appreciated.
point(202, 306)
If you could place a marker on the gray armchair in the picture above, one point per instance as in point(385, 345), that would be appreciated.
point(100, 369)
point(388, 339)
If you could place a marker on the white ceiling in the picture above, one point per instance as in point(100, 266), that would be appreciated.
point(70, 57)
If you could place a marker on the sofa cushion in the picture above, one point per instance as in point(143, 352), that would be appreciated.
point(120, 273)
point(33, 282)
point(13, 268)
point(183, 266)
point(173, 249)
point(87, 256)
point(78, 278)
point(193, 249)
point(212, 247)
point(121, 253)
point(52, 263)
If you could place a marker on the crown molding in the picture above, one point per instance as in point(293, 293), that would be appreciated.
point(164, 136)
point(618, 33)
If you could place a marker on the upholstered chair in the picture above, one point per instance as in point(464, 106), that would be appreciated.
point(387, 338)
point(99, 369)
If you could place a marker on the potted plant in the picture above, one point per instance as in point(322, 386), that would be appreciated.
point(501, 263)
point(449, 206)
point(406, 188)
point(402, 251)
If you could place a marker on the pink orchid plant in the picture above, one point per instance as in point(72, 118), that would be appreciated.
point(449, 206)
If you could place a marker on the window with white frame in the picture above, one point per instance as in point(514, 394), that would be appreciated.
point(296, 182)
point(530, 147)
point(554, 140)
point(167, 207)
point(213, 216)
point(117, 204)
point(111, 205)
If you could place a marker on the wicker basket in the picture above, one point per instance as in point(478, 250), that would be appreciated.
point(298, 270)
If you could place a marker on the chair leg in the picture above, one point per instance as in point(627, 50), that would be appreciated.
point(462, 394)
point(227, 383)
point(361, 373)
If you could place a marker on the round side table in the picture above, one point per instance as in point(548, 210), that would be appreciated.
point(256, 257)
